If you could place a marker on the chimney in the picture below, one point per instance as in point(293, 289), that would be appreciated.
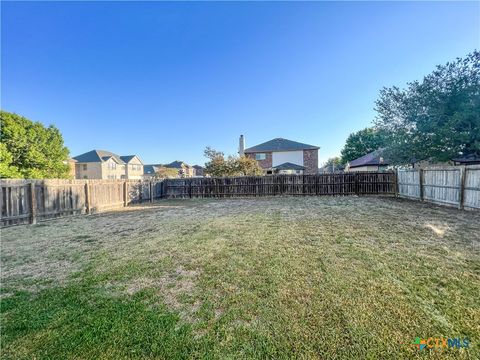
point(241, 146)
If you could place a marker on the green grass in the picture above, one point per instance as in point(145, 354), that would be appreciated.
point(262, 278)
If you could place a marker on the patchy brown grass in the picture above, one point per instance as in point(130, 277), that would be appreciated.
point(311, 277)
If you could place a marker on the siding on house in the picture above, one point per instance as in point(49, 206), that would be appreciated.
point(281, 157)
point(364, 168)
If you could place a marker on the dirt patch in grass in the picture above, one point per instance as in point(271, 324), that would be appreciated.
point(310, 277)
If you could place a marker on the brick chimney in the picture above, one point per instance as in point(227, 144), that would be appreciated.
point(241, 146)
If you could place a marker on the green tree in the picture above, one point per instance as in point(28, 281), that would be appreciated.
point(164, 172)
point(31, 150)
point(218, 165)
point(362, 142)
point(7, 169)
point(436, 118)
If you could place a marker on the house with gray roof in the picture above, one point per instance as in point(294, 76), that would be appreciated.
point(102, 164)
point(283, 156)
point(373, 161)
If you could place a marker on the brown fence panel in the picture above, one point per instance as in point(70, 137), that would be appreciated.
point(293, 185)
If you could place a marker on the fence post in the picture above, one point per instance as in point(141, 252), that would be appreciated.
point(151, 191)
point(357, 190)
point(461, 195)
point(420, 181)
point(33, 204)
point(125, 194)
point(396, 182)
point(87, 198)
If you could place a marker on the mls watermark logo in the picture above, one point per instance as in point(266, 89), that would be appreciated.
point(441, 343)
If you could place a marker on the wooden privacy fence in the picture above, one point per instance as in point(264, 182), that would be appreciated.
point(455, 186)
point(325, 184)
point(29, 201)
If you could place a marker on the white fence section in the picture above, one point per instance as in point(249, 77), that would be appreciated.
point(456, 186)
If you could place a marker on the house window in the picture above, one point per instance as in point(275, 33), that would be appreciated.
point(122, 177)
point(260, 156)
point(112, 165)
point(84, 167)
point(85, 176)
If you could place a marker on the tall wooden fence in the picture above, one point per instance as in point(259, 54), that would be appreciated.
point(325, 184)
point(455, 186)
point(29, 201)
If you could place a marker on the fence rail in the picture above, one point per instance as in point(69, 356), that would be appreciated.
point(455, 186)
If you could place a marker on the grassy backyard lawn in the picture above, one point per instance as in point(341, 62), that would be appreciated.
point(313, 277)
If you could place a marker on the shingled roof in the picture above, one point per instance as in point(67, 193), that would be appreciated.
point(98, 156)
point(280, 144)
point(177, 164)
point(289, 166)
point(372, 159)
point(127, 158)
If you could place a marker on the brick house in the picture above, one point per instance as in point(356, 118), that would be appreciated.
point(282, 156)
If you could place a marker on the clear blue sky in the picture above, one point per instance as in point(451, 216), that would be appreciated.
point(164, 80)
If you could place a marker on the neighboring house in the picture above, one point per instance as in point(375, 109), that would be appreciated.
point(466, 160)
point(373, 161)
point(283, 156)
point(184, 170)
point(101, 164)
point(198, 170)
point(134, 167)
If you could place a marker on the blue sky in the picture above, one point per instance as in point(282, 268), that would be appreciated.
point(164, 80)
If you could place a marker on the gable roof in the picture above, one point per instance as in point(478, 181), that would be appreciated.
point(373, 158)
point(98, 156)
point(289, 166)
point(128, 158)
point(197, 167)
point(280, 144)
point(176, 164)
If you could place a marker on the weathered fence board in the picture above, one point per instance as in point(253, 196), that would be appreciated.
point(456, 186)
point(26, 201)
point(293, 185)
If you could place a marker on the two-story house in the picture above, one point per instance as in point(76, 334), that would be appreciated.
point(282, 156)
point(101, 164)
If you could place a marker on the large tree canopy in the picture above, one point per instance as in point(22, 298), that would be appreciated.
point(362, 142)
point(31, 150)
point(435, 119)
